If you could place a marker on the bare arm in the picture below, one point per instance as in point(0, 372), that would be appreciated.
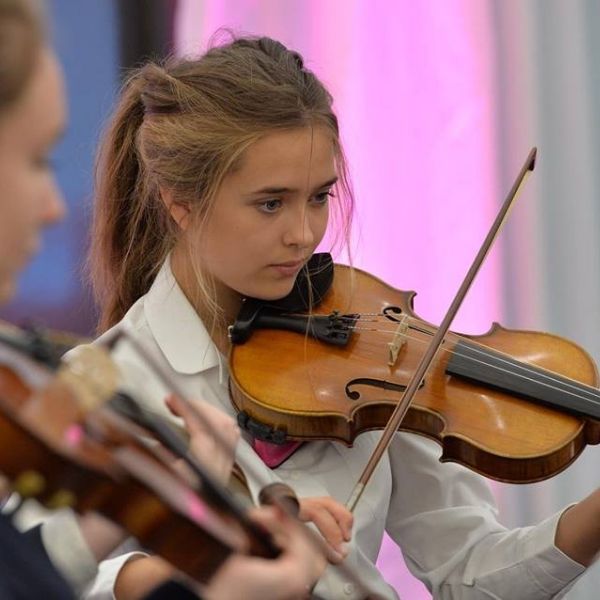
point(578, 532)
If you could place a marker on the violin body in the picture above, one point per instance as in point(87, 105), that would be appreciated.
point(483, 416)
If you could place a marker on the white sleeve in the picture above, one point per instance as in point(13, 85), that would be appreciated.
point(102, 588)
point(522, 563)
point(444, 519)
point(68, 550)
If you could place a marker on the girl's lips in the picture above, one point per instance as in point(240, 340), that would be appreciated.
point(292, 263)
point(288, 269)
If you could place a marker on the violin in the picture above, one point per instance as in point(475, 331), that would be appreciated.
point(515, 406)
point(62, 453)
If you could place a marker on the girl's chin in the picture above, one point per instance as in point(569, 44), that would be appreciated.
point(271, 293)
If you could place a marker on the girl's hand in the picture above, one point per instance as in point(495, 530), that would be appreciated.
point(333, 520)
point(203, 445)
point(291, 576)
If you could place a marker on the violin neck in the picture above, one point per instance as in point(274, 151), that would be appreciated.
point(502, 372)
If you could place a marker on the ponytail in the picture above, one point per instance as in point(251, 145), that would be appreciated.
point(131, 232)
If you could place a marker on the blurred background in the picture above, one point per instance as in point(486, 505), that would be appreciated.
point(439, 102)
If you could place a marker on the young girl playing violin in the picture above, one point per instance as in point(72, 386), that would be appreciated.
point(216, 181)
point(61, 557)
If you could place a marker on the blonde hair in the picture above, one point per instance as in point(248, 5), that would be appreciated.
point(21, 38)
point(183, 126)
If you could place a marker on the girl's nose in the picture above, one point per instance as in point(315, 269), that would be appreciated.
point(54, 208)
point(300, 231)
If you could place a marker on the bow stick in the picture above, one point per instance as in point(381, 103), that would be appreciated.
point(401, 409)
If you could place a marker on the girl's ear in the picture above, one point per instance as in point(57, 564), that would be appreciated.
point(180, 213)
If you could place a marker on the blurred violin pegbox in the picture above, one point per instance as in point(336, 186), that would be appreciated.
point(92, 375)
point(29, 484)
point(62, 498)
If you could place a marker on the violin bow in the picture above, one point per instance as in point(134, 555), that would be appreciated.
point(411, 389)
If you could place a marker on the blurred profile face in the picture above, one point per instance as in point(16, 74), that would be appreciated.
point(270, 213)
point(29, 197)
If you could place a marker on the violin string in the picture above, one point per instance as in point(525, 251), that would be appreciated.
point(553, 382)
point(550, 383)
point(475, 346)
point(482, 349)
point(523, 366)
point(534, 371)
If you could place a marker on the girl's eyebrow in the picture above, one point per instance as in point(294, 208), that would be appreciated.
point(283, 190)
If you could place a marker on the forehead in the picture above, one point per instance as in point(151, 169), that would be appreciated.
point(38, 116)
point(294, 158)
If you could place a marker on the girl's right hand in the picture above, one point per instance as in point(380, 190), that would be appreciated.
point(291, 576)
point(334, 522)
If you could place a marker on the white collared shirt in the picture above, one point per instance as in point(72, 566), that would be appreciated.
point(443, 516)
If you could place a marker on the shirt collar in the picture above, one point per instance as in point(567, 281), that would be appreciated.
point(177, 328)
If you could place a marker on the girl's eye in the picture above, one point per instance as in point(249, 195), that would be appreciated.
point(270, 206)
point(323, 197)
point(44, 163)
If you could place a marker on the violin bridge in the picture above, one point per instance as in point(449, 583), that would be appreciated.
point(398, 341)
